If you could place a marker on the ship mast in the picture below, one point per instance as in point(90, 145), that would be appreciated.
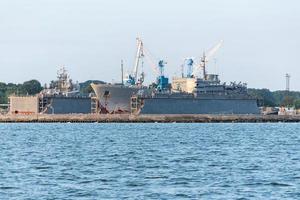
point(122, 71)
point(203, 63)
point(207, 56)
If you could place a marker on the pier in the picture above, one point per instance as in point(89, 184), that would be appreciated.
point(126, 118)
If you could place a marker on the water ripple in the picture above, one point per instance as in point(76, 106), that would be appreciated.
point(149, 161)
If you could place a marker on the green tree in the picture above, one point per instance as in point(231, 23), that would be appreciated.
point(3, 93)
point(288, 101)
point(31, 87)
point(297, 104)
point(264, 95)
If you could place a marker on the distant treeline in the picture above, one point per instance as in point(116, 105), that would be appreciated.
point(276, 98)
point(31, 87)
point(265, 96)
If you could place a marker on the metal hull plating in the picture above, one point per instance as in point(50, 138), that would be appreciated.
point(67, 105)
point(114, 98)
point(198, 106)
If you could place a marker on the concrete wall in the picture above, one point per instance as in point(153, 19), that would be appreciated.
point(24, 105)
point(56, 105)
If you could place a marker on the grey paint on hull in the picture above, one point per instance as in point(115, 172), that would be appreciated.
point(199, 106)
point(119, 96)
point(61, 105)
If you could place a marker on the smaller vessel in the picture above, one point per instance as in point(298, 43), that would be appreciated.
point(61, 97)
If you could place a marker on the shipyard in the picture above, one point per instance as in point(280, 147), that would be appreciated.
point(192, 96)
point(172, 100)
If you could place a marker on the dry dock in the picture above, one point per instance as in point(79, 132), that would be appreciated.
point(92, 118)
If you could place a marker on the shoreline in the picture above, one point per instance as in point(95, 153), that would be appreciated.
point(126, 118)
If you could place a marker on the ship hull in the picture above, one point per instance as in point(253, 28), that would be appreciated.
point(114, 98)
point(198, 106)
point(67, 105)
point(117, 98)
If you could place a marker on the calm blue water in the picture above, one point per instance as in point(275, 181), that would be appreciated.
point(150, 161)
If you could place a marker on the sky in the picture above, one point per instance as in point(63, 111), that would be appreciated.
point(90, 37)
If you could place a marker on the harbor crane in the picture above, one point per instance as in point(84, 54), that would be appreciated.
point(157, 66)
point(132, 78)
point(189, 62)
point(138, 57)
point(141, 53)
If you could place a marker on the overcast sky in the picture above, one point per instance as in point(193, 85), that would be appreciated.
point(90, 37)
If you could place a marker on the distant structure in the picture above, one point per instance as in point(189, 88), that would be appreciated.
point(62, 97)
point(288, 78)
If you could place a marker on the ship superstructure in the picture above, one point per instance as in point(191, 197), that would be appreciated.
point(63, 86)
point(207, 97)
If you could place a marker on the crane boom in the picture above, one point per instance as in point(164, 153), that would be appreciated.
point(149, 58)
point(139, 54)
point(213, 51)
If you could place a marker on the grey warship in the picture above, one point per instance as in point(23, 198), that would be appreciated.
point(194, 94)
point(208, 97)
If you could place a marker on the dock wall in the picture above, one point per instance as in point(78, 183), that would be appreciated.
point(124, 118)
point(24, 105)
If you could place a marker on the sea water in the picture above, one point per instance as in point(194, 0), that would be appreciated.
point(150, 161)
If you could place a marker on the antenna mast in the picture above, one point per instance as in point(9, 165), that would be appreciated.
point(288, 78)
point(207, 56)
point(122, 71)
